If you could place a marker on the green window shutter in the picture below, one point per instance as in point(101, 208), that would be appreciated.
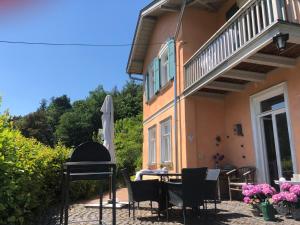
point(147, 87)
point(156, 71)
point(171, 59)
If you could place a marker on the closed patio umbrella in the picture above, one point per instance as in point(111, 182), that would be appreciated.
point(108, 126)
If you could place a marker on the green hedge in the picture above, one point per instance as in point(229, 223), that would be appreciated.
point(29, 175)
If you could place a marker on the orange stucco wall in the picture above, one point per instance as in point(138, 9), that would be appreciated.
point(197, 27)
point(208, 117)
point(202, 119)
point(237, 109)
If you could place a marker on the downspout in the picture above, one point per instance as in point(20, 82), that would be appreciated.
point(179, 23)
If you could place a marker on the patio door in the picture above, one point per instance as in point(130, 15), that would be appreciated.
point(274, 144)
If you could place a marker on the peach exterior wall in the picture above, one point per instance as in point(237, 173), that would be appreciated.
point(201, 119)
point(208, 117)
point(237, 109)
point(193, 34)
point(186, 45)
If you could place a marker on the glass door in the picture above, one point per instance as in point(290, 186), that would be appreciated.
point(276, 138)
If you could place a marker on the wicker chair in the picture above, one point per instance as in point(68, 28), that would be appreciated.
point(238, 177)
point(140, 191)
point(188, 193)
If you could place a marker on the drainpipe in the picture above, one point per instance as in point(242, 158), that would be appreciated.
point(179, 23)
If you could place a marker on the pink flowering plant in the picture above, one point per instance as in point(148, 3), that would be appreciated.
point(288, 197)
point(256, 194)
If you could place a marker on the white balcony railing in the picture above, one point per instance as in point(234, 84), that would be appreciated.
point(248, 23)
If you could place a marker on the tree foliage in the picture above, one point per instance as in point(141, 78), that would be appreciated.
point(128, 142)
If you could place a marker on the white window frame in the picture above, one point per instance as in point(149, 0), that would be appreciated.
point(151, 81)
point(166, 152)
point(163, 55)
point(261, 164)
point(152, 145)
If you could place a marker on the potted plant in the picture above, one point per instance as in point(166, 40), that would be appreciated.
point(255, 195)
point(281, 204)
point(295, 189)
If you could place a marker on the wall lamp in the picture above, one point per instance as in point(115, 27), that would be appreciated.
point(280, 40)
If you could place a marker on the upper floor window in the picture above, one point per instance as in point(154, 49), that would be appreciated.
point(164, 66)
point(165, 138)
point(152, 145)
point(161, 70)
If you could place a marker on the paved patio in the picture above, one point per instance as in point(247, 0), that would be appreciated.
point(228, 213)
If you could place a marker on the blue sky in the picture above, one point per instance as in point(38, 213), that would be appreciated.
point(29, 73)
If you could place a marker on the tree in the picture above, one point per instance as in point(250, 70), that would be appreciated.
point(35, 125)
point(57, 107)
point(128, 102)
point(75, 126)
point(128, 142)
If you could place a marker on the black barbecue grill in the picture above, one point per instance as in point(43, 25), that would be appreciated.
point(89, 161)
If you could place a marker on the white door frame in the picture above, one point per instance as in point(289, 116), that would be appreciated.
point(259, 145)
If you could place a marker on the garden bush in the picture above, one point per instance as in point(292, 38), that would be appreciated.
point(30, 175)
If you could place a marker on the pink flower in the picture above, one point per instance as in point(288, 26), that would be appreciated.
point(295, 189)
point(247, 200)
point(279, 197)
point(291, 197)
point(285, 186)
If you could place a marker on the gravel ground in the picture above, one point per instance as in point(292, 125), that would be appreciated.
point(228, 213)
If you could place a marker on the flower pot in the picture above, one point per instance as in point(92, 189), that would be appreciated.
point(296, 213)
point(282, 210)
point(268, 211)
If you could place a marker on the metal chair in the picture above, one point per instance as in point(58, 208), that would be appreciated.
point(211, 187)
point(140, 191)
point(188, 193)
point(238, 177)
point(89, 161)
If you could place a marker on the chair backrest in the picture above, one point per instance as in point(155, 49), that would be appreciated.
point(192, 182)
point(90, 152)
point(127, 180)
point(210, 186)
point(251, 175)
point(213, 174)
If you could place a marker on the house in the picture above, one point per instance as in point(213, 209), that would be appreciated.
point(220, 76)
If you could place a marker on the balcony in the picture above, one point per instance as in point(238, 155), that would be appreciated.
point(242, 51)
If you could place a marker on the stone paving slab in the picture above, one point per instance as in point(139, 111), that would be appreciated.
point(232, 213)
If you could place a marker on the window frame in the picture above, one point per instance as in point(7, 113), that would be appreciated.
point(164, 52)
point(150, 160)
point(162, 150)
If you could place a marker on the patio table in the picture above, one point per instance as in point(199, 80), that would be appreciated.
point(286, 181)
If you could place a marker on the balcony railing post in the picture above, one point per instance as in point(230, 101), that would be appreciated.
point(276, 10)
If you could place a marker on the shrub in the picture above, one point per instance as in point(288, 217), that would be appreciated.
point(29, 175)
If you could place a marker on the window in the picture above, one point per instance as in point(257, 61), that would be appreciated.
point(165, 135)
point(161, 70)
point(152, 145)
point(164, 66)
